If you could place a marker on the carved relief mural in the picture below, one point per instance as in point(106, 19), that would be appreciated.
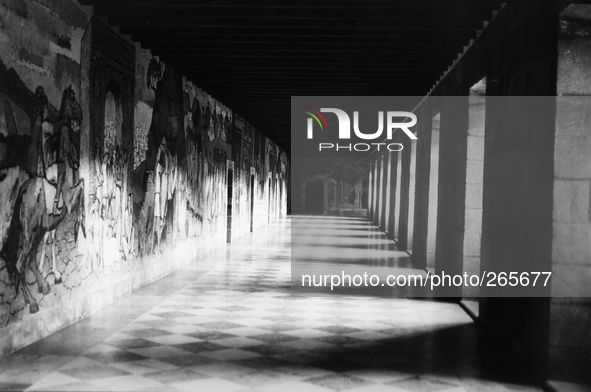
point(104, 180)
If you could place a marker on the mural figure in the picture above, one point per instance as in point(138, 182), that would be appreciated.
point(41, 135)
point(94, 233)
point(128, 229)
point(94, 239)
point(109, 208)
point(197, 125)
point(30, 222)
point(64, 151)
point(209, 126)
point(52, 192)
point(154, 73)
point(164, 187)
point(122, 203)
point(59, 158)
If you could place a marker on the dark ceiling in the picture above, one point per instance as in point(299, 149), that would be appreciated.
point(254, 55)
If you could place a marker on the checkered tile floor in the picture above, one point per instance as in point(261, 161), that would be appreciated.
point(229, 323)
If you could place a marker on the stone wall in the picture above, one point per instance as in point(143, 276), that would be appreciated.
point(423, 186)
point(570, 343)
